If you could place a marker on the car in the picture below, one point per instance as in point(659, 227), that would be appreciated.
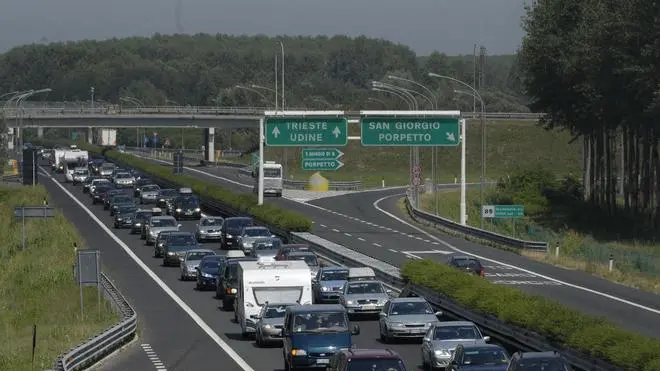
point(95, 165)
point(95, 182)
point(80, 174)
point(139, 183)
point(109, 194)
point(327, 284)
point(270, 322)
point(366, 359)
point(312, 334)
point(164, 197)
point(441, 340)
point(190, 263)
point(87, 183)
point(249, 235)
point(158, 224)
point(141, 217)
point(364, 297)
point(538, 361)
point(176, 246)
point(106, 170)
point(148, 193)
point(208, 271)
point(124, 215)
point(485, 357)
point(186, 208)
point(161, 240)
point(123, 180)
point(231, 230)
point(308, 257)
point(266, 248)
point(118, 201)
point(209, 228)
point(228, 282)
point(406, 318)
point(98, 193)
point(468, 264)
point(287, 248)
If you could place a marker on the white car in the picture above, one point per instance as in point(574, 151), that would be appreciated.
point(124, 180)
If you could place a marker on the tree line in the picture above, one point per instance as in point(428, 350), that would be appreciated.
point(593, 67)
point(203, 70)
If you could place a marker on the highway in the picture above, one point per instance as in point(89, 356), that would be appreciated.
point(370, 222)
point(181, 328)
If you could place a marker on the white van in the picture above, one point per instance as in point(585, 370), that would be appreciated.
point(262, 281)
point(361, 274)
point(272, 179)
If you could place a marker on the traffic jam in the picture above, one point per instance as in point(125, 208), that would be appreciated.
point(285, 295)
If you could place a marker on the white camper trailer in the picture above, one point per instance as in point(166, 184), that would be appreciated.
point(271, 281)
point(272, 179)
point(71, 159)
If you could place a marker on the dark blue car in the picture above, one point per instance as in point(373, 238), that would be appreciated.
point(312, 334)
point(484, 357)
point(208, 271)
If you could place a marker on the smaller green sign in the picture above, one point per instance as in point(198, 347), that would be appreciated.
point(321, 154)
point(321, 165)
point(503, 211)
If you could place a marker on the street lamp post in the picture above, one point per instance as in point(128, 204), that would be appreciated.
point(283, 101)
point(377, 101)
point(483, 140)
point(137, 104)
point(19, 132)
point(263, 97)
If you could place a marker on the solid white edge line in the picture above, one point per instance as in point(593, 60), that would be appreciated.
point(586, 289)
point(194, 316)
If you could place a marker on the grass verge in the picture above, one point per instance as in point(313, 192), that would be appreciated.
point(37, 287)
point(510, 144)
point(636, 265)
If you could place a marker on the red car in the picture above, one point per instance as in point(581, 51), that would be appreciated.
point(366, 359)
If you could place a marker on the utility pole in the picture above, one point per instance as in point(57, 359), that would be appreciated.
point(482, 64)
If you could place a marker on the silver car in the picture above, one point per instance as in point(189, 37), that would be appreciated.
point(442, 338)
point(406, 318)
point(190, 263)
point(249, 235)
point(270, 322)
point(309, 258)
point(124, 180)
point(149, 193)
point(364, 297)
point(159, 224)
point(209, 228)
point(266, 248)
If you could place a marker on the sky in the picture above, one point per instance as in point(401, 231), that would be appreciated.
point(448, 26)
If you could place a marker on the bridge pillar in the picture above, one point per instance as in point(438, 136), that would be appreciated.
point(90, 135)
point(40, 132)
point(209, 140)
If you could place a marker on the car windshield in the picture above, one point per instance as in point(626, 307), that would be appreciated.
point(106, 167)
point(466, 263)
point(100, 181)
point(209, 222)
point(365, 288)
point(181, 240)
point(275, 311)
point(150, 188)
point(320, 322)
point(211, 265)
point(412, 307)
point(122, 200)
point(235, 223)
point(195, 256)
point(272, 173)
point(543, 365)
point(309, 259)
point(338, 275)
point(455, 332)
point(167, 193)
point(163, 222)
point(126, 209)
point(378, 364)
point(190, 202)
point(123, 175)
point(142, 214)
point(257, 232)
point(81, 172)
point(484, 357)
point(273, 244)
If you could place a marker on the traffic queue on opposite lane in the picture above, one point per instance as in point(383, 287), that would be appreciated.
point(281, 295)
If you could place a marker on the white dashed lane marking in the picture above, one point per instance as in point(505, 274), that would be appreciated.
point(153, 357)
point(361, 239)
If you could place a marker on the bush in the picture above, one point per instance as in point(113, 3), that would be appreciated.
point(244, 203)
point(559, 324)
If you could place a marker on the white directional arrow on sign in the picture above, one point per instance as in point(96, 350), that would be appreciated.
point(336, 132)
point(276, 132)
point(339, 165)
point(451, 137)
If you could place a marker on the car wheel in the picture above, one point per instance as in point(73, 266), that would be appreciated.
point(260, 344)
point(183, 278)
point(226, 305)
point(198, 286)
point(384, 338)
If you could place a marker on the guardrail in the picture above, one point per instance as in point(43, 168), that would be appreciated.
point(350, 185)
point(468, 231)
point(391, 276)
point(97, 347)
point(37, 112)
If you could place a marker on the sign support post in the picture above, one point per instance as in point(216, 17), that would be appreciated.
point(260, 189)
point(463, 165)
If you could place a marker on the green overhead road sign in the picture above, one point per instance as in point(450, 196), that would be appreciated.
point(503, 211)
point(410, 131)
point(321, 154)
point(306, 131)
point(320, 165)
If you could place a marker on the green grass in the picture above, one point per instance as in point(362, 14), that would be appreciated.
point(37, 287)
point(636, 264)
point(510, 144)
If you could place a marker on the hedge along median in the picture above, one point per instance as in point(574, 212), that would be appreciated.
point(241, 202)
point(557, 323)
point(37, 286)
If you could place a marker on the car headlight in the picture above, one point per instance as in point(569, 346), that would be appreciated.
point(247, 244)
point(118, 219)
point(267, 326)
point(229, 236)
point(169, 253)
point(152, 233)
point(198, 209)
point(442, 353)
point(233, 291)
point(349, 302)
point(206, 275)
point(161, 200)
point(202, 232)
point(325, 289)
point(178, 210)
point(429, 324)
point(298, 352)
point(138, 225)
point(397, 324)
